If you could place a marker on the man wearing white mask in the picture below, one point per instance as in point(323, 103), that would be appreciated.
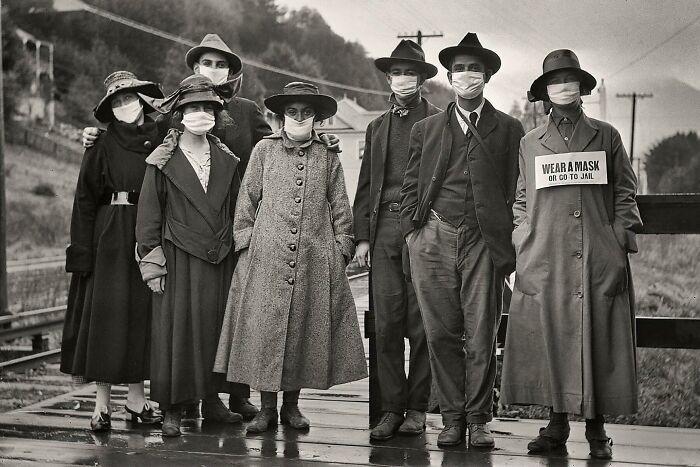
point(378, 235)
point(456, 217)
point(570, 341)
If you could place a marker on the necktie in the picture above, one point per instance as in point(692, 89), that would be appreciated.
point(472, 118)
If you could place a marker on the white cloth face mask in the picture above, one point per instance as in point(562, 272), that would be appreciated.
point(404, 86)
point(468, 84)
point(198, 123)
point(564, 93)
point(216, 75)
point(298, 131)
point(129, 113)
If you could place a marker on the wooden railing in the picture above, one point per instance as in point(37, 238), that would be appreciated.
point(33, 325)
point(661, 214)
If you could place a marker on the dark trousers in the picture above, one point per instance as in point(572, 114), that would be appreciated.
point(397, 316)
point(460, 298)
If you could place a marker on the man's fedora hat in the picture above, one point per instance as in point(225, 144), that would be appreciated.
point(325, 106)
point(561, 59)
point(407, 52)
point(212, 42)
point(124, 81)
point(470, 45)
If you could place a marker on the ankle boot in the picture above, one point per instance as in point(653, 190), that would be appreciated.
point(171, 423)
point(598, 441)
point(214, 410)
point(265, 420)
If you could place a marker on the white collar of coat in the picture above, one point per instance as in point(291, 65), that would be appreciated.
point(162, 154)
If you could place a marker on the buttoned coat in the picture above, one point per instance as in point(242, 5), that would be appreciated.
point(493, 175)
point(372, 172)
point(290, 320)
point(186, 235)
point(570, 342)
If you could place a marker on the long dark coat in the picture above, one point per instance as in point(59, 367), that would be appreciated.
point(106, 332)
point(291, 321)
point(185, 234)
point(493, 176)
point(570, 342)
point(369, 185)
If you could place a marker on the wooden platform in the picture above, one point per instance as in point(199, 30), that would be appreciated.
point(56, 432)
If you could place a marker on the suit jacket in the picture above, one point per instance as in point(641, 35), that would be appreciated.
point(370, 184)
point(241, 136)
point(493, 176)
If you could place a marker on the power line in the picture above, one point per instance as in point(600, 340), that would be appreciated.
point(634, 96)
point(656, 47)
point(247, 61)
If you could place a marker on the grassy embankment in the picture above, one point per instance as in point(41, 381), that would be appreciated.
point(666, 273)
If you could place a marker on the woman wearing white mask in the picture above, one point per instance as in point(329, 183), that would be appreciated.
point(184, 249)
point(290, 320)
point(570, 342)
point(106, 334)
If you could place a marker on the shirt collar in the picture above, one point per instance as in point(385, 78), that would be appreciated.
point(558, 115)
point(402, 110)
point(478, 110)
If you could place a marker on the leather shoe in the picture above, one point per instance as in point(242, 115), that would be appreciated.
point(147, 416)
point(242, 406)
point(213, 410)
point(601, 448)
point(548, 440)
point(101, 422)
point(263, 421)
point(292, 416)
point(387, 426)
point(451, 435)
point(191, 411)
point(480, 436)
point(414, 424)
point(171, 422)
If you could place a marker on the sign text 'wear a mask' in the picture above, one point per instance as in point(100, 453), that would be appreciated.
point(571, 168)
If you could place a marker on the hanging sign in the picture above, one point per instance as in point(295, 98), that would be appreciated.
point(571, 168)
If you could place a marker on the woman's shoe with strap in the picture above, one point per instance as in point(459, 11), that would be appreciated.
point(147, 416)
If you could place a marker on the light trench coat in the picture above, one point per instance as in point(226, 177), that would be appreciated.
point(290, 321)
point(571, 337)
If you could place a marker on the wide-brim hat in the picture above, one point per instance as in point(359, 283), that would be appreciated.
point(561, 59)
point(197, 88)
point(212, 42)
point(407, 52)
point(325, 106)
point(470, 45)
point(120, 81)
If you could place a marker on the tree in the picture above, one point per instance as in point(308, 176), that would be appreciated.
point(673, 164)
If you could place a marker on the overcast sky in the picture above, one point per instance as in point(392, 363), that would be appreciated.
point(607, 35)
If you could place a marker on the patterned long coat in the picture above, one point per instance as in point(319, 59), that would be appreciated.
point(570, 342)
point(290, 321)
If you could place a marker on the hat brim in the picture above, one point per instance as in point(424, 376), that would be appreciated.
point(234, 62)
point(539, 87)
point(491, 58)
point(103, 110)
point(325, 106)
point(384, 64)
point(199, 96)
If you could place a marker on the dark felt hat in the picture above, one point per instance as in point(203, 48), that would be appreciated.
point(561, 59)
point(123, 81)
point(407, 52)
point(212, 42)
point(470, 45)
point(325, 106)
point(197, 88)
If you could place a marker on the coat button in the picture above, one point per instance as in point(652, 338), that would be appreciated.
point(300, 166)
point(292, 264)
point(433, 179)
point(301, 152)
point(147, 144)
point(212, 255)
point(292, 247)
point(579, 255)
point(300, 182)
point(290, 281)
point(297, 200)
point(579, 294)
point(293, 230)
point(577, 213)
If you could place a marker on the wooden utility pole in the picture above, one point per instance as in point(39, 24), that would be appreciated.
point(418, 36)
point(3, 210)
point(634, 96)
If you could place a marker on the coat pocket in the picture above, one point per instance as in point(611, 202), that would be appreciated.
point(608, 264)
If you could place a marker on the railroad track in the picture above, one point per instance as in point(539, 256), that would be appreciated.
point(29, 264)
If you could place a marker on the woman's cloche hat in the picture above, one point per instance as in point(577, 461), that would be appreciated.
point(561, 59)
point(297, 91)
point(122, 81)
point(407, 52)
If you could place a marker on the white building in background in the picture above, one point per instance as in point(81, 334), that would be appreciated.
point(349, 124)
point(38, 105)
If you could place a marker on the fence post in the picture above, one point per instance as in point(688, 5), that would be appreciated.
point(40, 343)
